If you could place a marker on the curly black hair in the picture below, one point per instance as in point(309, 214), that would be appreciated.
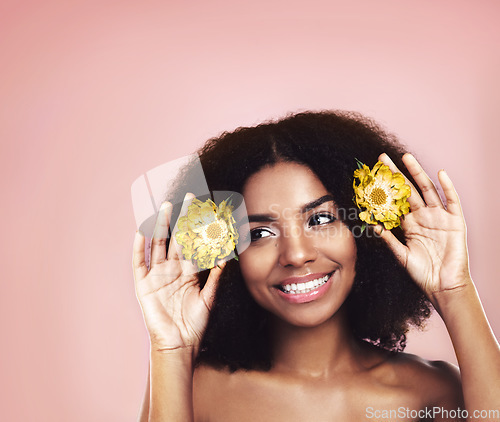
point(383, 302)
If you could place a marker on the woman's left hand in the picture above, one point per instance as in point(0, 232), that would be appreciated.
point(435, 253)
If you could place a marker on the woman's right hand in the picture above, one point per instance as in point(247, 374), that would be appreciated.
point(175, 310)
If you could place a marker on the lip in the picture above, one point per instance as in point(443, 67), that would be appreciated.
point(302, 279)
point(309, 296)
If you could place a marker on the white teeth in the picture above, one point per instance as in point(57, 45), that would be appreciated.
point(304, 287)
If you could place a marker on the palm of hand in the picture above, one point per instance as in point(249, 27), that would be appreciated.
point(435, 253)
point(176, 309)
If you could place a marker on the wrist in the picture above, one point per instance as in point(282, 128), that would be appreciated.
point(457, 298)
point(180, 354)
point(178, 361)
point(171, 381)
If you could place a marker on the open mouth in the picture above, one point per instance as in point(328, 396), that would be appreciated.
point(308, 286)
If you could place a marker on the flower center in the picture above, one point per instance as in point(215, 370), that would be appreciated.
point(378, 196)
point(214, 230)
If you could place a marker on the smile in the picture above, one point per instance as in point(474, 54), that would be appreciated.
point(297, 288)
point(305, 289)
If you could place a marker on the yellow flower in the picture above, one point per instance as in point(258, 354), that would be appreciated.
point(381, 195)
point(207, 232)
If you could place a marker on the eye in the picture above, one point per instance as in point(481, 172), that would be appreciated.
point(321, 219)
point(259, 233)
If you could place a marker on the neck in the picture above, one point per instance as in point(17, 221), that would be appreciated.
point(317, 352)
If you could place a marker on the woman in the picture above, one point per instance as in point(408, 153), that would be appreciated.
point(310, 323)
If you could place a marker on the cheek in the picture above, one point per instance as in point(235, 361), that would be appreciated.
point(350, 252)
point(256, 263)
point(339, 245)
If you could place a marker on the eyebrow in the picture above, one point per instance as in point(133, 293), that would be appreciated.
point(317, 202)
point(258, 218)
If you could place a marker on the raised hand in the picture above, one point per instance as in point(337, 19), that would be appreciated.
point(175, 310)
point(435, 253)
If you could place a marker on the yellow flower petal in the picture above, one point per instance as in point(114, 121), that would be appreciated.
point(381, 195)
point(207, 232)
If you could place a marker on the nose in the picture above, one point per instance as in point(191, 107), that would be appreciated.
point(296, 249)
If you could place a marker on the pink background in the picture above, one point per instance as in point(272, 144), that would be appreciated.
point(95, 93)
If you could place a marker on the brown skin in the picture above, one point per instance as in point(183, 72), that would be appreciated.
point(293, 244)
point(321, 373)
point(345, 395)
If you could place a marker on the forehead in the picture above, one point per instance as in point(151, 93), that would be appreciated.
point(282, 185)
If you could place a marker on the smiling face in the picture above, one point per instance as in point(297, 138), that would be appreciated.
point(300, 264)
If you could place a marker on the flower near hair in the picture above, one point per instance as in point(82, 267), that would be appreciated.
point(207, 232)
point(380, 195)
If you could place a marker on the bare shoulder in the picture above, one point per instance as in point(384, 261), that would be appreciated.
point(206, 377)
point(207, 380)
point(220, 395)
point(211, 387)
point(211, 383)
point(383, 381)
point(437, 381)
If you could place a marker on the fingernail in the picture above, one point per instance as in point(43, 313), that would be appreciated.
point(164, 205)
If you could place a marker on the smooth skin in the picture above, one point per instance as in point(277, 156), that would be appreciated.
point(321, 373)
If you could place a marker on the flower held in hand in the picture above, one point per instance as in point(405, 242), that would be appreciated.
point(381, 195)
point(207, 232)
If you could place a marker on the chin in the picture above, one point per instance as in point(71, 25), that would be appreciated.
point(308, 318)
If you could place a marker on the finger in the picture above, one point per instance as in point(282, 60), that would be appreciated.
point(210, 289)
point(415, 200)
point(400, 251)
point(188, 267)
point(451, 195)
point(139, 266)
point(174, 249)
point(431, 195)
point(160, 235)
